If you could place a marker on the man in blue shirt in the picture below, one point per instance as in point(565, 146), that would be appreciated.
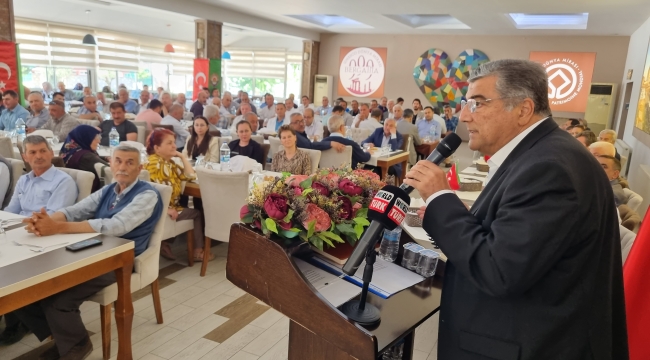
point(325, 109)
point(336, 126)
point(274, 123)
point(130, 106)
point(430, 127)
point(451, 122)
point(68, 95)
point(12, 112)
point(130, 209)
point(39, 113)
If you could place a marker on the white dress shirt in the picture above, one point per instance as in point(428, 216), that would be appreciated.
point(370, 123)
point(301, 108)
point(315, 129)
point(266, 112)
point(497, 159)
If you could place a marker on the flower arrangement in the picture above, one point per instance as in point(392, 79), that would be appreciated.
point(325, 208)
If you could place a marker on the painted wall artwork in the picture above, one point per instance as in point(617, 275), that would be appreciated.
point(642, 120)
point(443, 80)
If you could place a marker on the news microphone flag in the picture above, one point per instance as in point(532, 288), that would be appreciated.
point(453, 178)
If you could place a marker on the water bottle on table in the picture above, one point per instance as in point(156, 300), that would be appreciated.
point(113, 138)
point(390, 244)
point(225, 157)
point(20, 129)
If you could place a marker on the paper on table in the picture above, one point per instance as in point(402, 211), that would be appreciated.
point(333, 289)
point(4, 215)
point(387, 278)
point(21, 236)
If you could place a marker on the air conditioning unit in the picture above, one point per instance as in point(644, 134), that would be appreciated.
point(323, 86)
point(600, 106)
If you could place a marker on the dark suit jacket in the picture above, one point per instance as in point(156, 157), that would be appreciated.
point(534, 269)
point(303, 142)
point(378, 136)
point(358, 155)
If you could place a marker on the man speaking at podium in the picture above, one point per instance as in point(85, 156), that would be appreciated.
point(534, 268)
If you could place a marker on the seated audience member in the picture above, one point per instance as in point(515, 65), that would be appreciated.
point(101, 99)
point(340, 111)
point(313, 128)
point(602, 148)
point(289, 105)
point(227, 107)
point(399, 101)
point(406, 127)
point(174, 119)
point(12, 111)
point(244, 109)
point(39, 114)
point(267, 109)
point(152, 114)
point(211, 112)
point(199, 104)
point(325, 108)
point(417, 110)
point(575, 130)
point(60, 122)
point(145, 98)
point(79, 151)
point(167, 101)
point(87, 91)
point(89, 109)
point(201, 143)
point(128, 209)
point(246, 100)
point(349, 119)
point(584, 123)
point(68, 95)
point(305, 104)
point(612, 169)
point(6, 180)
point(388, 113)
point(274, 123)
point(245, 146)
point(609, 136)
point(181, 100)
point(126, 129)
point(451, 121)
point(387, 136)
point(431, 125)
point(363, 116)
point(130, 106)
point(374, 105)
point(215, 94)
point(57, 96)
point(47, 91)
point(336, 126)
point(163, 170)
point(297, 123)
point(290, 159)
point(374, 121)
point(587, 138)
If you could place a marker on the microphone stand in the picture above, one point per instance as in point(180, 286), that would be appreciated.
point(361, 312)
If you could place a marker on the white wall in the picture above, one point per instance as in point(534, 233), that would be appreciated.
point(636, 56)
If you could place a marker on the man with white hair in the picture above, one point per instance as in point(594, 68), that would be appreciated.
point(389, 109)
point(145, 97)
point(244, 108)
point(267, 110)
point(336, 126)
point(211, 112)
point(600, 148)
point(325, 108)
point(174, 119)
point(130, 106)
point(609, 136)
point(181, 100)
point(244, 99)
point(227, 107)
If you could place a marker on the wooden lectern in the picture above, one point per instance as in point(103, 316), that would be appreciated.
point(265, 269)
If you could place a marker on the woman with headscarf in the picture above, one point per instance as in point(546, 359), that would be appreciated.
point(79, 151)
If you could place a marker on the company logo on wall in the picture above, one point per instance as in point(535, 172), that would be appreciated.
point(362, 71)
point(569, 78)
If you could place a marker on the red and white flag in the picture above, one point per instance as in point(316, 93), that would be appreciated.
point(453, 178)
point(8, 67)
point(201, 70)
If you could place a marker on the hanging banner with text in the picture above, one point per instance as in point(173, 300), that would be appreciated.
point(362, 71)
point(215, 76)
point(569, 78)
point(201, 67)
point(9, 67)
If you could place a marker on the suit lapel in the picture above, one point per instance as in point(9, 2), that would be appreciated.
point(528, 142)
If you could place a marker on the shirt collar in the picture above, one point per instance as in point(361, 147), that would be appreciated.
point(48, 175)
point(502, 154)
point(336, 134)
point(128, 188)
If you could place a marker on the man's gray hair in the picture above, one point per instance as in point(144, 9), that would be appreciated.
point(250, 116)
point(35, 140)
point(335, 122)
point(165, 93)
point(605, 146)
point(127, 148)
point(210, 111)
point(35, 93)
point(177, 107)
point(296, 114)
point(608, 132)
point(516, 81)
point(365, 104)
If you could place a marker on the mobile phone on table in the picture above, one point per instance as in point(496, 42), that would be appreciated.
point(84, 244)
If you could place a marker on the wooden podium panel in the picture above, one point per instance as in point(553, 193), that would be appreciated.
point(264, 268)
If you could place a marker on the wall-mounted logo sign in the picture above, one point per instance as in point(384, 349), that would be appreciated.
point(362, 71)
point(569, 78)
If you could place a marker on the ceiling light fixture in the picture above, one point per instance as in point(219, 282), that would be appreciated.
point(225, 56)
point(550, 21)
point(89, 39)
point(169, 48)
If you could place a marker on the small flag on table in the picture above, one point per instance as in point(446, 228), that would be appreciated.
point(452, 178)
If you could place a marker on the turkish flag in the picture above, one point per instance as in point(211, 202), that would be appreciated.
point(637, 293)
point(201, 70)
point(8, 67)
point(452, 178)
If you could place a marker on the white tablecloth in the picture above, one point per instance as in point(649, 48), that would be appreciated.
point(471, 170)
point(376, 155)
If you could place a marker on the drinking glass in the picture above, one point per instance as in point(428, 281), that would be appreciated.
point(385, 150)
point(200, 161)
point(366, 147)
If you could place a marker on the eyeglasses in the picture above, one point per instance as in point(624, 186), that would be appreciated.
point(474, 104)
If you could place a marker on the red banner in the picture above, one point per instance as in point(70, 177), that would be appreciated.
point(201, 71)
point(8, 67)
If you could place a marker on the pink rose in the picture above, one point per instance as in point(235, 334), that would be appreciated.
point(284, 225)
point(323, 221)
point(346, 207)
point(355, 208)
point(350, 188)
point(295, 180)
point(320, 188)
point(276, 206)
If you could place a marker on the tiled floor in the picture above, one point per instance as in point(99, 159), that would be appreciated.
point(206, 318)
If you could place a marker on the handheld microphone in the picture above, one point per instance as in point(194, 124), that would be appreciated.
point(389, 207)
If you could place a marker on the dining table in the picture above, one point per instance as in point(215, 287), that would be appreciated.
point(384, 161)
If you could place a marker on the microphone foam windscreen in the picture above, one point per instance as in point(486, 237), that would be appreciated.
point(389, 206)
point(449, 144)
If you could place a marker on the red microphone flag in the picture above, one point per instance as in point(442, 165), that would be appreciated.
point(452, 178)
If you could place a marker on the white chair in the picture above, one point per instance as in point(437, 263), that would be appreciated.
point(258, 138)
point(332, 158)
point(134, 144)
point(634, 200)
point(90, 122)
point(44, 133)
point(7, 148)
point(314, 156)
point(17, 170)
point(219, 188)
point(275, 145)
point(84, 180)
point(145, 272)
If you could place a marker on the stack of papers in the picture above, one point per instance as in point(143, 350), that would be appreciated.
point(334, 289)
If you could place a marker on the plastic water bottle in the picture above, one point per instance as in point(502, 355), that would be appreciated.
point(100, 108)
point(390, 244)
point(20, 128)
point(225, 154)
point(113, 138)
point(434, 132)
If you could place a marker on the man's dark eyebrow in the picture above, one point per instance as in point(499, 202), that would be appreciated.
point(478, 96)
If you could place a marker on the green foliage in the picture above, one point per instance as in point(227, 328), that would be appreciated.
point(311, 229)
point(361, 221)
point(305, 184)
point(271, 225)
point(289, 216)
point(362, 213)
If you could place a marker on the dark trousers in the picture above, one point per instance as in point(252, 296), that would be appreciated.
point(11, 320)
point(59, 316)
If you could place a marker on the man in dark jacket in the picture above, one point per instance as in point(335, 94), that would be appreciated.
point(388, 135)
point(336, 126)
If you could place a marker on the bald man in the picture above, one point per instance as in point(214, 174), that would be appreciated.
point(600, 148)
point(39, 114)
point(174, 119)
point(609, 136)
